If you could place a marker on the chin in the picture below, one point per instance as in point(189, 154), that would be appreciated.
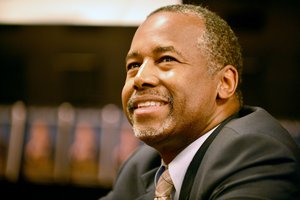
point(151, 136)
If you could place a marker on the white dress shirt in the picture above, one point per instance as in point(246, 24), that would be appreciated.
point(179, 165)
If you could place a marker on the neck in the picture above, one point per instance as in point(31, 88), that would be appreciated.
point(171, 148)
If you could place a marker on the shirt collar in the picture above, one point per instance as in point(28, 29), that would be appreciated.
point(179, 165)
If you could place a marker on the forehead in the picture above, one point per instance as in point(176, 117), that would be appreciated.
point(164, 17)
point(167, 27)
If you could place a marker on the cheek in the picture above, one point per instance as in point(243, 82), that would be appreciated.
point(126, 93)
point(125, 97)
point(196, 94)
point(168, 75)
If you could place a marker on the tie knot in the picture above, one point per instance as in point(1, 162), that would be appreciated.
point(164, 186)
point(166, 177)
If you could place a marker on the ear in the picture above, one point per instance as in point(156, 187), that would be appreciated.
point(228, 82)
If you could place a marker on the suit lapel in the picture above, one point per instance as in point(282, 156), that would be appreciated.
point(189, 177)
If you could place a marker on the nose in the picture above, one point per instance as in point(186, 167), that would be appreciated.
point(146, 76)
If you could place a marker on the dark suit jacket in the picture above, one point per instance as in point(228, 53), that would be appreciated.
point(252, 157)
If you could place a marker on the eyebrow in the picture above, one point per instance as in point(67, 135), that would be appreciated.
point(132, 55)
point(166, 49)
point(157, 50)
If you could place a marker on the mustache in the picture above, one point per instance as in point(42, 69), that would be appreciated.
point(130, 103)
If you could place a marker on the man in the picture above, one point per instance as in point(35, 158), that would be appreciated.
point(182, 98)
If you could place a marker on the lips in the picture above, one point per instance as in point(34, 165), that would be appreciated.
point(149, 110)
point(149, 101)
point(148, 104)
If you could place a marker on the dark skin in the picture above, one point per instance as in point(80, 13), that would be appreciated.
point(169, 96)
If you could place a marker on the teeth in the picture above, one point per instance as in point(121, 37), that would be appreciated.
point(149, 104)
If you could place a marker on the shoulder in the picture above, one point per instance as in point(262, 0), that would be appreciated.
point(143, 159)
point(252, 149)
point(257, 122)
point(130, 181)
point(256, 132)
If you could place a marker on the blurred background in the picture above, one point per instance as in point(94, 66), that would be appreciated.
point(62, 131)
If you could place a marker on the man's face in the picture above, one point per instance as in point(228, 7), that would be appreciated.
point(169, 97)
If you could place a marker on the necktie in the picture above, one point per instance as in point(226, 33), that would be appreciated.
point(164, 187)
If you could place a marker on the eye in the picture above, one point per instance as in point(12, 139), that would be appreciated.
point(132, 66)
point(167, 59)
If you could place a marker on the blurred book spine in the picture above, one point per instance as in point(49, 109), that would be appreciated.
point(14, 154)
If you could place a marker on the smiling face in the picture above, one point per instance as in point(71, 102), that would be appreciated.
point(169, 97)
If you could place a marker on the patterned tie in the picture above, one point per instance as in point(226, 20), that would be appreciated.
point(164, 187)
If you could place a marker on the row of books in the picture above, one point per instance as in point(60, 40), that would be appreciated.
point(64, 144)
point(70, 145)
